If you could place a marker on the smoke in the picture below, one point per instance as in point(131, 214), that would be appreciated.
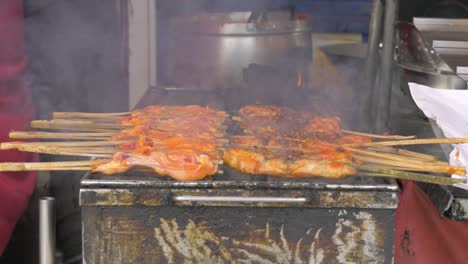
point(75, 56)
point(348, 93)
point(332, 86)
point(75, 64)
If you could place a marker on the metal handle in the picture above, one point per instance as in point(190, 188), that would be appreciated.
point(238, 199)
point(47, 230)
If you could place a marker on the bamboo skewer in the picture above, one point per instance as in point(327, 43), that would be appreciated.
point(82, 121)
point(446, 169)
point(67, 152)
point(66, 163)
point(411, 142)
point(82, 165)
point(103, 150)
point(79, 163)
point(389, 137)
point(15, 145)
point(409, 175)
point(77, 154)
point(46, 124)
point(51, 149)
point(107, 128)
point(421, 178)
point(399, 155)
point(87, 120)
point(409, 166)
point(79, 136)
point(404, 152)
point(66, 115)
point(58, 135)
point(27, 167)
point(71, 149)
point(84, 115)
point(82, 129)
point(398, 168)
point(385, 156)
point(51, 169)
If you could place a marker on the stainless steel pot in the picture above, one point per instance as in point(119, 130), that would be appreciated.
point(212, 50)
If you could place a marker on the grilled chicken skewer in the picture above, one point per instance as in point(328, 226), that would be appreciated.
point(82, 149)
point(388, 137)
point(328, 156)
point(182, 141)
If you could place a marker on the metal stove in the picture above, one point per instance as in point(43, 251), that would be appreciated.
point(230, 218)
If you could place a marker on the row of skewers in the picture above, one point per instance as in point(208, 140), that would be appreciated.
point(318, 146)
point(189, 143)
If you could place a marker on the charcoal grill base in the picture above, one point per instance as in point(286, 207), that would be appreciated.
point(146, 219)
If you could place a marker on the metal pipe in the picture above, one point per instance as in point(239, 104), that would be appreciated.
point(375, 34)
point(383, 97)
point(47, 230)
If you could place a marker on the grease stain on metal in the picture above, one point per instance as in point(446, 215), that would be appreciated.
point(346, 199)
point(114, 197)
point(353, 240)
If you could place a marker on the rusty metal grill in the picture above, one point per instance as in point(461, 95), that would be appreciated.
point(139, 217)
